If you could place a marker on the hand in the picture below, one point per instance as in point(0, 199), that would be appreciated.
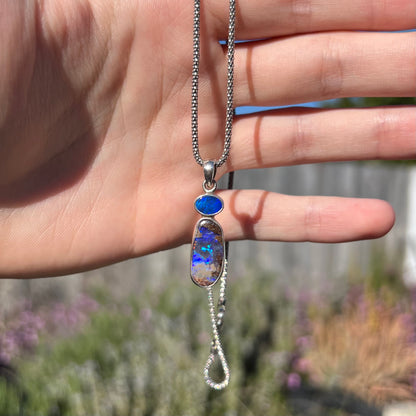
point(96, 163)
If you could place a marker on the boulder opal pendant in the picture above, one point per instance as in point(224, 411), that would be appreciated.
point(208, 248)
point(208, 265)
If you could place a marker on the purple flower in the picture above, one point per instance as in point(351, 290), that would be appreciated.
point(303, 343)
point(86, 304)
point(73, 317)
point(301, 365)
point(23, 331)
point(28, 338)
point(4, 357)
point(408, 322)
point(28, 318)
point(58, 315)
point(9, 342)
point(293, 381)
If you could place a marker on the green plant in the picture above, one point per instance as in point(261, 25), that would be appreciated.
point(144, 356)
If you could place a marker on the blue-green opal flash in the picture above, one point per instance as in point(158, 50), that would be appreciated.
point(207, 253)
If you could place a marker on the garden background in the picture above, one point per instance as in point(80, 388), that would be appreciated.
point(311, 329)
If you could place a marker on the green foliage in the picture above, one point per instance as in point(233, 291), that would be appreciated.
point(370, 102)
point(385, 278)
point(144, 356)
point(10, 398)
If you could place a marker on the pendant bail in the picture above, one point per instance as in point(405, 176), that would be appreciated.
point(209, 172)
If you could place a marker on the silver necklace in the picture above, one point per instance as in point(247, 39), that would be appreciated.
point(209, 254)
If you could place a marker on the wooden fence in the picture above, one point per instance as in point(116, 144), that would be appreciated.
point(299, 265)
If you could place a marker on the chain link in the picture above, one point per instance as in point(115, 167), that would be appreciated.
point(230, 84)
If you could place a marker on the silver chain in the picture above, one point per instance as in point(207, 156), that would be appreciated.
point(217, 316)
point(230, 84)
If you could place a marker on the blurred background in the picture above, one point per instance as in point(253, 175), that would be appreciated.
point(310, 329)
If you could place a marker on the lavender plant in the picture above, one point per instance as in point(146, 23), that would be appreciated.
point(143, 356)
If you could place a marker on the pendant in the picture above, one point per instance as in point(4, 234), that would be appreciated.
point(208, 246)
point(208, 249)
point(209, 264)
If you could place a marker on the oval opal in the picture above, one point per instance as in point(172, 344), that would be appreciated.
point(207, 257)
point(209, 205)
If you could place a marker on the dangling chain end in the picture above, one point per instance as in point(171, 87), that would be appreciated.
point(216, 346)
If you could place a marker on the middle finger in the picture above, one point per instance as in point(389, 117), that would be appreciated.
point(322, 66)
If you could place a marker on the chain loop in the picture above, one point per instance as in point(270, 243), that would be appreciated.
point(216, 346)
point(209, 187)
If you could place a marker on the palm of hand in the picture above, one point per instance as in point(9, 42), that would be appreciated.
point(101, 169)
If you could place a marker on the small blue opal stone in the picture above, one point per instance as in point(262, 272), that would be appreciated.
point(209, 205)
point(207, 259)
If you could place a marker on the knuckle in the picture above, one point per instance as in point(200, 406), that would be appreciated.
point(373, 9)
point(300, 143)
point(331, 70)
point(301, 12)
point(389, 127)
point(383, 126)
point(312, 219)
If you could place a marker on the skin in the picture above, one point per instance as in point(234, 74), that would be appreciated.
point(95, 121)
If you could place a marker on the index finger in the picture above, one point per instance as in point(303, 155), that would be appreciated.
point(270, 18)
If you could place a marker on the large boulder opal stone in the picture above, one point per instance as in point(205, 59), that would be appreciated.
point(207, 257)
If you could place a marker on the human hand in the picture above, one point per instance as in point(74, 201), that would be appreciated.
point(96, 162)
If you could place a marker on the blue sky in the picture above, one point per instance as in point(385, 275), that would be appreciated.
point(251, 109)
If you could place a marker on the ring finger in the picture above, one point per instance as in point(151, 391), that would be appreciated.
point(300, 135)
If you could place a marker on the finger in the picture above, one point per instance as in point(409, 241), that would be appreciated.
point(270, 18)
point(262, 215)
point(299, 135)
point(323, 66)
